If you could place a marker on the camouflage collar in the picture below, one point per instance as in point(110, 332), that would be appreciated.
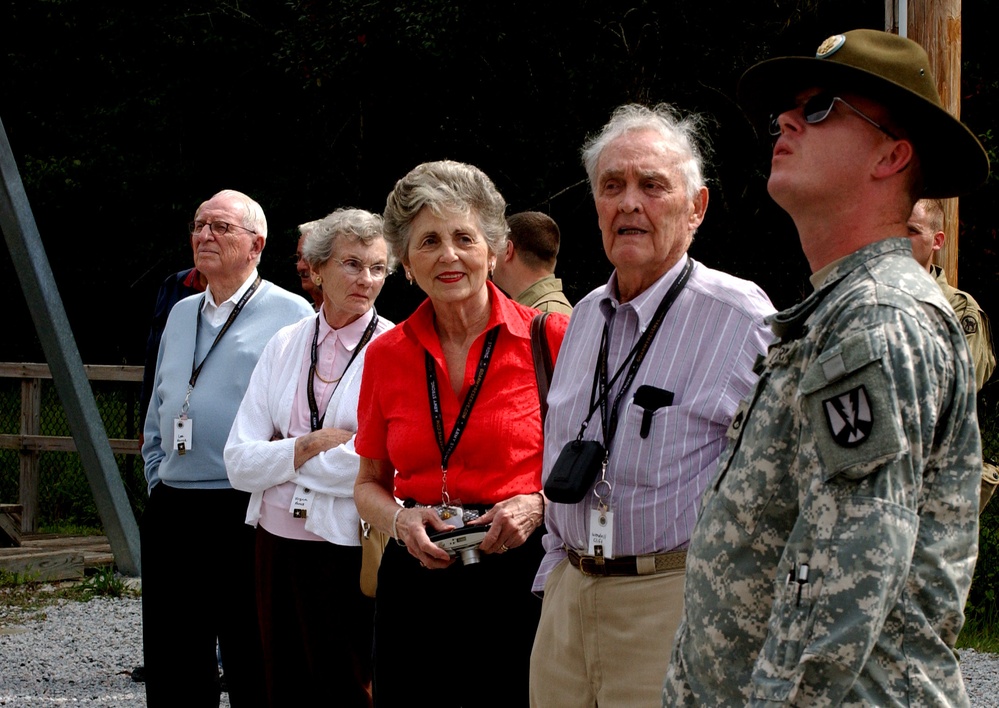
point(790, 324)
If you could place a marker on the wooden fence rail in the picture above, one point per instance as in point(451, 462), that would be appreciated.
point(30, 442)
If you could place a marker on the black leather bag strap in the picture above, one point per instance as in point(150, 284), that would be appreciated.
point(543, 366)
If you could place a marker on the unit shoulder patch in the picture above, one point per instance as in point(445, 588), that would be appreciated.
point(849, 416)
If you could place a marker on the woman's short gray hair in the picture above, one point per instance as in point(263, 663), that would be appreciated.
point(682, 133)
point(445, 186)
point(322, 235)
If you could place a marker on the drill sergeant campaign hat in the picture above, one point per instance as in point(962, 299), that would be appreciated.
point(893, 71)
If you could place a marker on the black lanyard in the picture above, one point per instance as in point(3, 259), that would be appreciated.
point(314, 420)
point(466, 407)
point(635, 356)
point(196, 370)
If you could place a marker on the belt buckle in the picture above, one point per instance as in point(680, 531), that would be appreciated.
point(593, 567)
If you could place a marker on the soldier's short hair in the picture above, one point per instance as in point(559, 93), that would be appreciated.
point(536, 237)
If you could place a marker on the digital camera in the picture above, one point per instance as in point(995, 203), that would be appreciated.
point(463, 542)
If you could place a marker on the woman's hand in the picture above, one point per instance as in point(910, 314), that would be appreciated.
point(411, 529)
point(311, 444)
point(513, 521)
point(376, 505)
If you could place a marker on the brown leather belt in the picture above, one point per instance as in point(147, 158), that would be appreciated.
point(649, 564)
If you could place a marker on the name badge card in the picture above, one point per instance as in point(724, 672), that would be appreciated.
point(183, 428)
point(601, 532)
point(301, 502)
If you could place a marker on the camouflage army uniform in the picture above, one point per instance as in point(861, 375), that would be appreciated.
point(858, 457)
point(976, 327)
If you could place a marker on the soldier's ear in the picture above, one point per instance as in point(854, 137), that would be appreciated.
point(508, 254)
point(895, 160)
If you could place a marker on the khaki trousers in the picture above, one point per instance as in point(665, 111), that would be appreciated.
point(604, 640)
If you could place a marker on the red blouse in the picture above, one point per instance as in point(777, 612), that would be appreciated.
point(499, 454)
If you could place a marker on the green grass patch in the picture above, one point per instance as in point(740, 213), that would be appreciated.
point(11, 579)
point(24, 598)
point(105, 582)
point(71, 529)
point(980, 634)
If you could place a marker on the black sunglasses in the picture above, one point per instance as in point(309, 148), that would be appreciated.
point(818, 108)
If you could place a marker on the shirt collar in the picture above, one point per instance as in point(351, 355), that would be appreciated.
point(502, 312)
point(646, 303)
point(210, 299)
point(838, 269)
point(193, 280)
point(819, 276)
point(789, 324)
point(348, 335)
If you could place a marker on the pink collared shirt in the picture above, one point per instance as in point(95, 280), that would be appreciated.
point(334, 351)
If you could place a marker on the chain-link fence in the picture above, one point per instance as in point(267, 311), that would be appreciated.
point(64, 496)
point(10, 421)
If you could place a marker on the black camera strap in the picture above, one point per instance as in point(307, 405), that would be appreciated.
point(315, 421)
point(635, 356)
point(436, 414)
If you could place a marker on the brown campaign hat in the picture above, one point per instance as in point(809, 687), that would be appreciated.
point(893, 71)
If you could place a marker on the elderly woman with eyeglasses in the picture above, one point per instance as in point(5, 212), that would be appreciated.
point(450, 422)
point(291, 446)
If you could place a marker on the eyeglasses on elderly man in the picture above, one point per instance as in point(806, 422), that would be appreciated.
point(219, 228)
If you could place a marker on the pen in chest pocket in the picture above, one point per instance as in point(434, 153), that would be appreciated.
point(651, 399)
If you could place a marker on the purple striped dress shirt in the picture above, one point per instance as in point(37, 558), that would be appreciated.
point(704, 353)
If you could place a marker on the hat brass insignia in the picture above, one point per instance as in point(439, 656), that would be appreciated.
point(830, 46)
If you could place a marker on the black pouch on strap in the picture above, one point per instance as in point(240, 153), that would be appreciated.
point(574, 471)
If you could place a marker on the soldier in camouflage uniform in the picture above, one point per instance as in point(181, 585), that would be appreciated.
point(834, 551)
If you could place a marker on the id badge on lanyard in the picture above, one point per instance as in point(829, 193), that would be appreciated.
point(183, 434)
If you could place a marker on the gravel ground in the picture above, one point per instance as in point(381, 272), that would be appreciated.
point(80, 653)
point(84, 652)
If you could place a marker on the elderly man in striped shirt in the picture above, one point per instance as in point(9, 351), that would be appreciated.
point(652, 369)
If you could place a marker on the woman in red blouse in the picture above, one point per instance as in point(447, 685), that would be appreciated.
point(449, 421)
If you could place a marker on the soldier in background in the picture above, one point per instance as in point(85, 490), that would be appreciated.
point(526, 270)
point(926, 229)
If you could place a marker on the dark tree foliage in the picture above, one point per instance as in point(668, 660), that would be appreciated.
point(124, 116)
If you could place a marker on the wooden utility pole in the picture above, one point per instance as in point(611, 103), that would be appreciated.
point(936, 26)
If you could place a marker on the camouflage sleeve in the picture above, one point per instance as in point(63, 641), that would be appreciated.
point(883, 531)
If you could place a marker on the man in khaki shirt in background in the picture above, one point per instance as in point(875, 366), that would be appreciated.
point(926, 229)
point(526, 270)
